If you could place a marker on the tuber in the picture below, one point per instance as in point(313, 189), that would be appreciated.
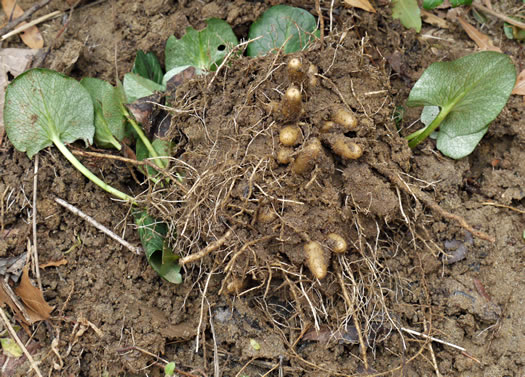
point(345, 148)
point(290, 136)
point(306, 158)
point(295, 70)
point(315, 259)
point(328, 126)
point(284, 156)
point(336, 243)
point(346, 119)
point(291, 104)
point(266, 215)
point(313, 81)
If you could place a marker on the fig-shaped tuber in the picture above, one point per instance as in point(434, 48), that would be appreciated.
point(315, 259)
point(336, 243)
point(346, 119)
point(295, 70)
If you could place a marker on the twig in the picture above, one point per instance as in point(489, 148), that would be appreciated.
point(414, 332)
point(19, 342)
point(102, 228)
point(207, 250)
point(503, 17)
point(30, 24)
point(35, 248)
point(503, 206)
point(28, 13)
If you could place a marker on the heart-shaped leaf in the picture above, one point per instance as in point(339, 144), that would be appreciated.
point(42, 105)
point(109, 120)
point(203, 49)
point(470, 92)
point(282, 26)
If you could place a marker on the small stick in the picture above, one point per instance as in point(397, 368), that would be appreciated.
point(413, 332)
point(35, 248)
point(28, 13)
point(19, 342)
point(207, 250)
point(30, 24)
point(102, 228)
point(511, 21)
point(503, 206)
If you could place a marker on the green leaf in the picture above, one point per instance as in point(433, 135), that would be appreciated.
point(109, 120)
point(148, 66)
point(458, 3)
point(152, 236)
point(203, 49)
point(407, 11)
point(169, 369)
point(282, 26)
point(163, 148)
point(470, 92)
point(431, 4)
point(41, 104)
point(11, 348)
point(136, 87)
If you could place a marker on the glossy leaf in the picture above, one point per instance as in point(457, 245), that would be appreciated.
point(109, 120)
point(282, 26)
point(431, 4)
point(470, 93)
point(407, 11)
point(203, 49)
point(148, 66)
point(152, 236)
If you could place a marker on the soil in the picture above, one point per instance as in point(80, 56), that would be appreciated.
point(252, 306)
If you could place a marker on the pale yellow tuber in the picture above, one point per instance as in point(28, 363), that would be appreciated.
point(306, 158)
point(291, 104)
point(295, 70)
point(315, 259)
point(290, 136)
point(346, 119)
point(336, 243)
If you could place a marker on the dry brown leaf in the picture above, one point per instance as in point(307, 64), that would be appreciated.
point(36, 306)
point(361, 4)
point(432, 19)
point(54, 263)
point(482, 40)
point(31, 37)
point(519, 88)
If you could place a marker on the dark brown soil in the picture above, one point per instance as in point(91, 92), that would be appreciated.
point(252, 306)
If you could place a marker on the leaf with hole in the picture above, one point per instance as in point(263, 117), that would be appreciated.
point(281, 26)
point(470, 93)
point(109, 120)
point(43, 107)
point(203, 49)
point(152, 236)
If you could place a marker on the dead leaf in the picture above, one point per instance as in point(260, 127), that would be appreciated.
point(13, 61)
point(519, 88)
point(482, 40)
point(55, 263)
point(36, 306)
point(361, 4)
point(432, 19)
point(31, 37)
